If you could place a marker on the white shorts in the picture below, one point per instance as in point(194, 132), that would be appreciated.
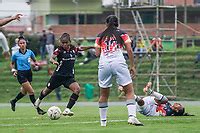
point(108, 70)
point(149, 107)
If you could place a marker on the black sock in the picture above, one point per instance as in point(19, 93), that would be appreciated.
point(72, 100)
point(32, 98)
point(18, 97)
point(41, 95)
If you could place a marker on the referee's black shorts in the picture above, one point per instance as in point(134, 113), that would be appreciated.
point(58, 80)
point(24, 76)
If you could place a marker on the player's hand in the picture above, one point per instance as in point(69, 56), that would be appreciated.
point(6, 55)
point(133, 72)
point(55, 63)
point(14, 72)
point(17, 17)
point(36, 64)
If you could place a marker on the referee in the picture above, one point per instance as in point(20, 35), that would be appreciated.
point(21, 68)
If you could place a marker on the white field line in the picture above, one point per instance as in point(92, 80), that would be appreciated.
point(86, 122)
point(2, 105)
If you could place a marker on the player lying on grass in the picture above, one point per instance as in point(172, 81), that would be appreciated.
point(158, 105)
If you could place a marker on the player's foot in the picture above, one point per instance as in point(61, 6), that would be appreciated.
point(81, 63)
point(147, 88)
point(137, 98)
point(40, 111)
point(134, 121)
point(68, 112)
point(37, 103)
point(103, 123)
point(12, 103)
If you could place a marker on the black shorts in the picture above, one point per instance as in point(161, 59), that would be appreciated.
point(57, 80)
point(24, 76)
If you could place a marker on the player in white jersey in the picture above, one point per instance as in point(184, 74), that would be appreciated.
point(109, 45)
point(3, 40)
point(157, 104)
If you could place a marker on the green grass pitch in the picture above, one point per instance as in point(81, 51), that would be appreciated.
point(86, 120)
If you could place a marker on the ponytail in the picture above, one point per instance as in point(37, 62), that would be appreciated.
point(111, 30)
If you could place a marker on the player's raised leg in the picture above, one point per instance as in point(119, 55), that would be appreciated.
point(158, 96)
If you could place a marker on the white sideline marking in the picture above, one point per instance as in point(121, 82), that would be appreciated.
point(87, 122)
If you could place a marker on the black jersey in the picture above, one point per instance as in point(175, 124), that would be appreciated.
point(168, 109)
point(66, 59)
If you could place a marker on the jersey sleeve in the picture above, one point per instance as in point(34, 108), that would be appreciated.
point(97, 42)
point(13, 58)
point(57, 51)
point(76, 49)
point(32, 55)
point(125, 37)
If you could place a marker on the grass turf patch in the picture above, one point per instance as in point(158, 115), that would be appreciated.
point(86, 119)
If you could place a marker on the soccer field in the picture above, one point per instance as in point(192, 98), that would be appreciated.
point(86, 119)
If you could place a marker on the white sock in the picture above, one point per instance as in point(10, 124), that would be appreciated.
point(159, 96)
point(103, 113)
point(103, 116)
point(131, 107)
point(103, 107)
point(131, 110)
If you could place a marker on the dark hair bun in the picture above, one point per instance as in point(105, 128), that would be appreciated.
point(112, 20)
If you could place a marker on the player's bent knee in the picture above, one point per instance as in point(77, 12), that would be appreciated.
point(140, 102)
point(77, 90)
point(31, 93)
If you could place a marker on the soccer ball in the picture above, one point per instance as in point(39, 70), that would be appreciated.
point(54, 113)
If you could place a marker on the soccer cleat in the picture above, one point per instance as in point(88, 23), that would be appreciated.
point(68, 112)
point(134, 121)
point(37, 103)
point(81, 63)
point(40, 111)
point(12, 105)
point(103, 123)
point(147, 88)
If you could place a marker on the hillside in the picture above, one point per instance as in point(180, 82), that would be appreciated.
point(188, 75)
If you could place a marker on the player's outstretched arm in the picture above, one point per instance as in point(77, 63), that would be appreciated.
point(83, 48)
point(9, 19)
point(52, 59)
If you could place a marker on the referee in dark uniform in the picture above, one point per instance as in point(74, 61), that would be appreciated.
point(64, 72)
point(21, 68)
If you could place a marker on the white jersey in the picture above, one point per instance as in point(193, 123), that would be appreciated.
point(110, 50)
point(112, 62)
point(4, 43)
point(116, 56)
point(149, 108)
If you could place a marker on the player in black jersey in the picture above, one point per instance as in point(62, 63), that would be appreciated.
point(64, 72)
